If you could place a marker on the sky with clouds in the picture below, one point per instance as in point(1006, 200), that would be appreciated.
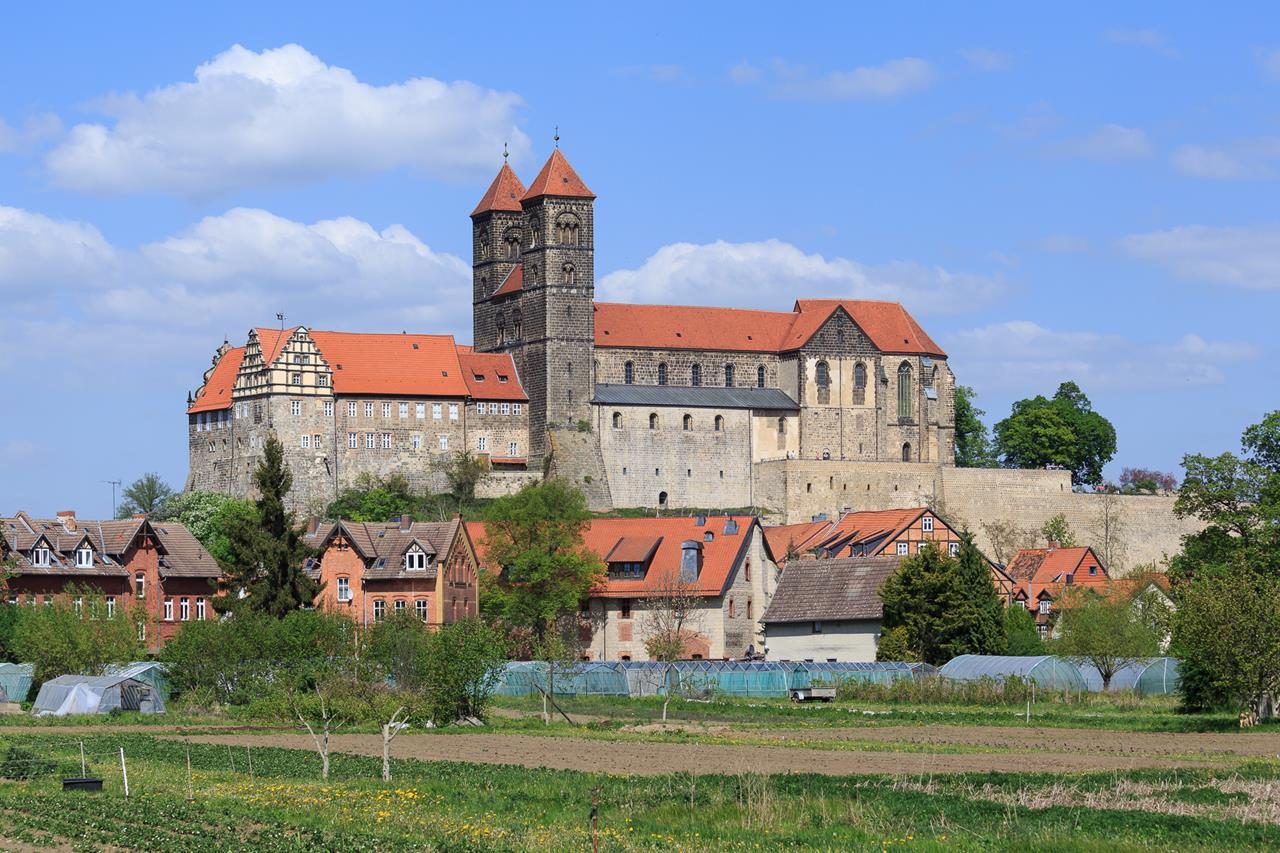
point(1086, 197)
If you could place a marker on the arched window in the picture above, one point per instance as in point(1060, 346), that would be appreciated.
point(515, 324)
point(904, 390)
point(760, 376)
point(728, 376)
point(662, 498)
point(719, 423)
point(688, 422)
point(502, 329)
point(662, 373)
point(822, 376)
point(567, 230)
point(617, 420)
point(513, 246)
point(628, 373)
point(782, 426)
point(568, 273)
point(906, 452)
point(695, 375)
point(859, 383)
point(653, 420)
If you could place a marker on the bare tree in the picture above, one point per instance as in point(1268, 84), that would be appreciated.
point(390, 729)
point(327, 721)
point(1109, 530)
point(672, 616)
point(1006, 539)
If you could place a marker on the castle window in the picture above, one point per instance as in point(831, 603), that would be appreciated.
point(295, 379)
point(617, 420)
point(404, 410)
point(368, 441)
point(444, 442)
point(688, 423)
point(328, 408)
point(482, 444)
point(728, 376)
point(502, 330)
point(662, 498)
point(415, 441)
point(322, 380)
point(628, 373)
point(513, 448)
point(386, 441)
point(386, 410)
point(437, 411)
point(513, 247)
point(295, 407)
point(351, 410)
point(653, 420)
point(695, 375)
point(368, 410)
point(822, 376)
point(760, 376)
point(567, 231)
point(453, 411)
point(353, 440)
point(782, 426)
point(568, 273)
point(859, 383)
point(516, 325)
point(906, 452)
point(662, 373)
point(719, 423)
point(306, 442)
point(904, 390)
point(420, 410)
point(926, 524)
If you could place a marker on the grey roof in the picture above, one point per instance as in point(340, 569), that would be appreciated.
point(702, 396)
point(818, 590)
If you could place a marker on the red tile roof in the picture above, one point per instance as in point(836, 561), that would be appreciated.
point(633, 549)
point(271, 341)
point(557, 178)
point(802, 537)
point(417, 365)
point(503, 194)
point(475, 530)
point(862, 526)
point(215, 394)
point(887, 324)
point(484, 372)
point(1038, 569)
point(513, 283)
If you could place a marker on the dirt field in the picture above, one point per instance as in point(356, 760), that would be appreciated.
point(647, 758)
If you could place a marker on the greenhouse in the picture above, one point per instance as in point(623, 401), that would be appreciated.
point(877, 672)
point(87, 694)
point(1047, 671)
point(15, 681)
point(530, 678)
point(1150, 677)
point(148, 672)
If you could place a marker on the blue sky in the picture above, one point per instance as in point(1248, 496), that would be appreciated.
point(1088, 197)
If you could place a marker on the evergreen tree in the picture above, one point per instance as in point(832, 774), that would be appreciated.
point(266, 553)
point(972, 617)
point(1020, 635)
point(912, 598)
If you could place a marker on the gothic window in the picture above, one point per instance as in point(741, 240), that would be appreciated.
point(760, 376)
point(568, 273)
point(822, 375)
point(904, 390)
point(653, 420)
point(628, 373)
point(535, 225)
point(515, 324)
point(617, 420)
point(567, 230)
point(728, 376)
point(688, 423)
point(859, 383)
point(502, 330)
point(906, 452)
point(662, 373)
point(719, 423)
point(532, 273)
point(483, 250)
point(695, 375)
point(513, 245)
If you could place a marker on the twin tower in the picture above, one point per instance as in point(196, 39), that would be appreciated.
point(533, 280)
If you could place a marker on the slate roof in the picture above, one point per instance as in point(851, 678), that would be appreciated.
point(829, 590)
point(703, 396)
point(383, 545)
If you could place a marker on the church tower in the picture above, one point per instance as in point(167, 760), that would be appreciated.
point(497, 232)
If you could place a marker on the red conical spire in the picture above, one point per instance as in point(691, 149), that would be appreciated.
point(503, 194)
point(557, 178)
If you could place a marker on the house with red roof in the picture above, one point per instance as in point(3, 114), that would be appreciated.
point(723, 561)
point(1041, 576)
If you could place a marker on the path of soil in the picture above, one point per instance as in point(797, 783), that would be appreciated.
point(646, 758)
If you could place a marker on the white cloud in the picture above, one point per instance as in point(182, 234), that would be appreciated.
point(41, 257)
point(282, 116)
point(987, 60)
point(1111, 143)
point(889, 80)
point(1021, 356)
point(1238, 161)
point(1150, 39)
point(1245, 256)
point(767, 274)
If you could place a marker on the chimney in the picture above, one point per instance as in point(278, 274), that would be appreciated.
point(690, 560)
point(68, 519)
point(313, 524)
point(406, 523)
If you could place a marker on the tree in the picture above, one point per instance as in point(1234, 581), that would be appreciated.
point(75, 636)
point(1110, 530)
point(1063, 431)
point(895, 645)
point(1006, 539)
point(1020, 634)
point(144, 496)
point(465, 473)
point(973, 445)
point(672, 613)
point(1103, 630)
point(1056, 531)
point(462, 668)
point(536, 535)
point(267, 554)
point(208, 515)
point(1140, 480)
point(945, 609)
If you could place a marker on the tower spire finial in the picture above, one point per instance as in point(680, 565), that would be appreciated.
point(557, 136)
point(505, 152)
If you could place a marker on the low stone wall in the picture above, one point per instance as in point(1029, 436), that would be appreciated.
point(499, 484)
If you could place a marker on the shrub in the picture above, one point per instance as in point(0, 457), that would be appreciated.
point(463, 664)
point(24, 764)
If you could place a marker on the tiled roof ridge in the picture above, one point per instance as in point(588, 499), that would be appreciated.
point(569, 184)
point(504, 192)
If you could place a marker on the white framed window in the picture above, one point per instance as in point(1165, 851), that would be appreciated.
point(400, 606)
point(200, 609)
point(404, 410)
point(379, 610)
point(515, 408)
point(386, 410)
point(926, 524)
point(111, 606)
point(140, 585)
point(315, 442)
point(506, 408)
point(481, 407)
point(84, 557)
point(369, 441)
point(142, 632)
point(353, 440)
point(306, 442)
point(168, 610)
point(420, 607)
point(902, 549)
point(453, 411)
point(295, 379)
point(322, 379)
point(513, 449)
point(444, 442)
point(386, 441)
point(482, 444)
point(295, 407)
point(351, 410)
point(328, 408)
point(1045, 607)
point(415, 560)
point(953, 547)
point(184, 610)
point(368, 410)
point(437, 411)
point(344, 589)
point(416, 441)
point(920, 547)
point(420, 410)
point(40, 557)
